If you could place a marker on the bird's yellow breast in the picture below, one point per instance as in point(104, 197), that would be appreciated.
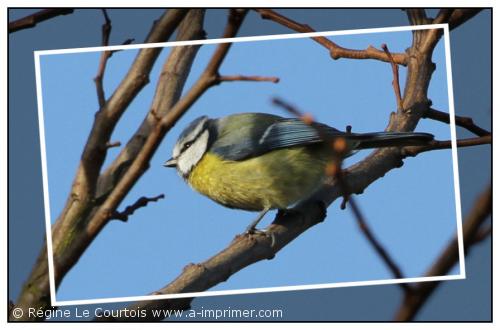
point(274, 180)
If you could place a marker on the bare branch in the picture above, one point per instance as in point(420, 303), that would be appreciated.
point(437, 145)
point(454, 17)
point(395, 79)
point(370, 236)
point(129, 210)
point(32, 20)
point(415, 299)
point(482, 234)
point(126, 42)
point(461, 16)
point(417, 16)
point(248, 78)
point(432, 36)
point(443, 16)
point(113, 144)
point(244, 250)
point(335, 50)
point(306, 117)
point(105, 55)
point(465, 122)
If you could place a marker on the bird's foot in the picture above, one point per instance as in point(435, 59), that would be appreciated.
point(254, 231)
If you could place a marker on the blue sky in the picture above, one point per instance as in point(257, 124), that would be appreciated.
point(411, 210)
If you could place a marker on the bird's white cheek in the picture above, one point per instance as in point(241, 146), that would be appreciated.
point(189, 158)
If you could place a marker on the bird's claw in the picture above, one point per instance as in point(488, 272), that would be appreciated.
point(253, 230)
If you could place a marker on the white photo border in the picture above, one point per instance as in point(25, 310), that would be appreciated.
point(446, 36)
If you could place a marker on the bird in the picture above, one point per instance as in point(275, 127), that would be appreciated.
point(260, 162)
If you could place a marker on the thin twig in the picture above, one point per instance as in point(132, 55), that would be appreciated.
point(40, 16)
point(395, 78)
point(367, 232)
point(292, 110)
point(105, 55)
point(437, 145)
point(465, 122)
point(129, 210)
point(248, 78)
point(106, 28)
point(126, 42)
point(334, 170)
point(335, 50)
point(115, 144)
point(381, 251)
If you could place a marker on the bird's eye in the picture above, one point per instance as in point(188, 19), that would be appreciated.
point(187, 145)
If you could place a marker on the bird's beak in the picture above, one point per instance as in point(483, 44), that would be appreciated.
point(172, 162)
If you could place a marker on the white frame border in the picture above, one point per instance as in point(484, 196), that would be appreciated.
point(446, 36)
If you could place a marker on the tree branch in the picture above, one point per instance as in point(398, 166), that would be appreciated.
point(105, 55)
point(461, 16)
point(417, 16)
point(368, 233)
point(40, 16)
point(335, 50)
point(244, 250)
point(129, 210)
point(395, 79)
point(375, 243)
point(113, 144)
point(443, 16)
point(248, 78)
point(482, 234)
point(437, 145)
point(465, 122)
point(454, 18)
point(415, 299)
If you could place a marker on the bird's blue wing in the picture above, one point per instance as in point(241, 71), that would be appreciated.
point(282, 133)
point(295, 132)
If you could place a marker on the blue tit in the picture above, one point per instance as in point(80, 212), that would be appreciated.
point(259, 162)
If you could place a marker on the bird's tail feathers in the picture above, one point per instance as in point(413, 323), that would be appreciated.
point(391, 139)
